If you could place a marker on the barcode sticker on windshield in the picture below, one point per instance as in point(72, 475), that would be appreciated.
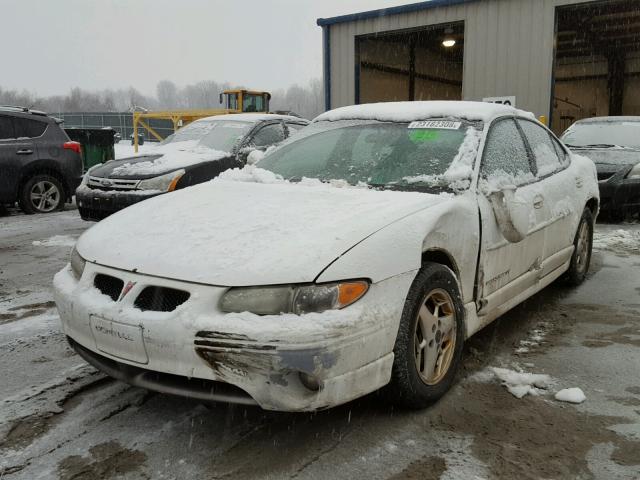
point(438, 124)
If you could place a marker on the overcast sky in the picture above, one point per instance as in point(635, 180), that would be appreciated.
point(48, 47)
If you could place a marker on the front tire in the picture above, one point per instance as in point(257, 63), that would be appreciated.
point(582, 246)
point(429, 344)
point(41, 194)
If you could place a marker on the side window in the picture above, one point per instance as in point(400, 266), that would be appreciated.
point(268, 135)
point(565, 160)
point(26, 128)
point(505, 153)
point(294, 127)
point(6, 128)
point(543, 150)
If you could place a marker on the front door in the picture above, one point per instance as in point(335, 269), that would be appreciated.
point(508, 268)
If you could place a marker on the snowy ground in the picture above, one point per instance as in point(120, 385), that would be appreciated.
point(59, 418)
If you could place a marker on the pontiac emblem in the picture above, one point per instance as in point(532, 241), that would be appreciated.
point(127, 288)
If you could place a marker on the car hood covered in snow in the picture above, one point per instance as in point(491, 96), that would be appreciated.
point(240, 233)
point(162, 159)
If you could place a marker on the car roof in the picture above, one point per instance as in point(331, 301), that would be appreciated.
point(21, 111)
point(255, 117)
point(412, 111)
point(609, 119)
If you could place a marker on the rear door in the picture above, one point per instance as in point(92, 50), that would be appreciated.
point(507, 268)
point(561, 192)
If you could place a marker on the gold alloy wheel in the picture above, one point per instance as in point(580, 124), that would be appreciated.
point(582, 248)
point(434, 340)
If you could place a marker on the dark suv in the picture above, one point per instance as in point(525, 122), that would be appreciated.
point(40, 167)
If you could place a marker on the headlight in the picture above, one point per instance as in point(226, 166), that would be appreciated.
point(165, 183)
point(635, 172)
point(77, 263)
point(296, 299)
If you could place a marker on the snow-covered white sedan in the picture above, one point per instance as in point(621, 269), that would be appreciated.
point(359, 254)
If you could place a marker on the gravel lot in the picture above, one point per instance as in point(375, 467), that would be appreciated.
point(62, 419)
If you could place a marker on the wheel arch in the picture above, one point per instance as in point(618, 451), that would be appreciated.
point(593, 204)
point(44, 167)
point(443, 257)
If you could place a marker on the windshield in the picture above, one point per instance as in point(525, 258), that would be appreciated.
point(216, 134)
point(428, 154)
point(603, 134)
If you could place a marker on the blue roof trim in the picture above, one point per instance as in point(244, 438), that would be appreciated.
point(383, 12)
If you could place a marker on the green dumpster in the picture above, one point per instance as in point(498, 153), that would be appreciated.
point(97, 144)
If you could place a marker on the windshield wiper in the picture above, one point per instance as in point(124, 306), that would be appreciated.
point(410, 187)
point(596, 145)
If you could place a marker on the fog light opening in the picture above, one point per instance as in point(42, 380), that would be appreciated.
point(309, 381)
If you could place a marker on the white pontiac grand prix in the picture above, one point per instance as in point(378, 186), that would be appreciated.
point(359, 254)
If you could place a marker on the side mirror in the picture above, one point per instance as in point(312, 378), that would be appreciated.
point(254, 157)
point(512, 214)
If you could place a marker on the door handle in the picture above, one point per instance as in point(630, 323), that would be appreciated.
point(578, 182)
point(24, 151)
point(538, 202)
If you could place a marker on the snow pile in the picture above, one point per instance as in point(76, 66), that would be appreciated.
point(571, 395)
point(518, 384)
point(56, 241)
point(412, 111)
point(250, 174)
point(618, 241)
point(255, 174)
point(175, 155)
point(458, 175)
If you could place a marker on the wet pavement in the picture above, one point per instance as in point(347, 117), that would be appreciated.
point(59, 418)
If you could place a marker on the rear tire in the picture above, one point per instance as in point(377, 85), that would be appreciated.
point(41, 194)
point(582, 246)
point(429, 344)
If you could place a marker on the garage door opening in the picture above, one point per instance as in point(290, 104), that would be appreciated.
point(423, 64)
point(597, 62)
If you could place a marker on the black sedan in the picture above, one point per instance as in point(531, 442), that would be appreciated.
point(613, 143)
point(194, 154)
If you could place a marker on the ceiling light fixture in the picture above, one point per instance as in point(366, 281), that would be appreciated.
point(448, 41)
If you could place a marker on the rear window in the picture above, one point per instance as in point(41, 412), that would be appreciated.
point(27, 128)
point(6, 128)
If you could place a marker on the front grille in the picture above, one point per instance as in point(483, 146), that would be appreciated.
point(108, 285)
point(160, 299)
point(602, 176)
point(111, 183)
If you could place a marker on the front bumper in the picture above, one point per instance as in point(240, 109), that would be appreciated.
point(200, 352)
point(94, 204)
point(619, 194)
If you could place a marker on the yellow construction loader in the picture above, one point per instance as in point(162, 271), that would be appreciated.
point(235, 101)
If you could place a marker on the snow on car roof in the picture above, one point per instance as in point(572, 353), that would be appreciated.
point(252, 117)
point(412, 111)
point(609, 119)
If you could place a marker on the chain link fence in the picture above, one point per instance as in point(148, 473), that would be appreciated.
point(121, 122)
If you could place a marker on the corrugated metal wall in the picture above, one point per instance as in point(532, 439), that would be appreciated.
point(508, 48)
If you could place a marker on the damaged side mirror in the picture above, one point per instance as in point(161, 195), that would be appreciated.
point(512, 214)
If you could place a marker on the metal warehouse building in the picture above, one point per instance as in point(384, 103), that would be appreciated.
point(564, 59)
